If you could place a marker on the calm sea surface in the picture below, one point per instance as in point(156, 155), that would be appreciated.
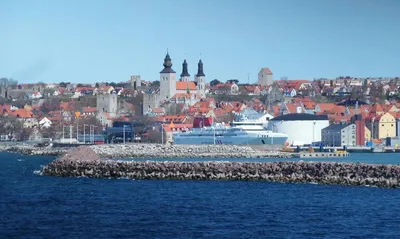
point(33, 206)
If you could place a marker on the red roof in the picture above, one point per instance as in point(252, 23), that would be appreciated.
point(21, 113)
point(184, 85)
point(89, 109)
point(266, 70)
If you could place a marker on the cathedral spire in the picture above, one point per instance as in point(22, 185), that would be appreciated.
point(167, 65)
point(185, 72)
point(200, 71)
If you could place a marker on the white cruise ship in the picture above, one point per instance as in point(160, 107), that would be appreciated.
point(239, 133)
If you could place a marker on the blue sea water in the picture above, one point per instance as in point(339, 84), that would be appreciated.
point(34, 206)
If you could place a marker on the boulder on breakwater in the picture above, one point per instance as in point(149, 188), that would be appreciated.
point(84, 161)
point(183, 151)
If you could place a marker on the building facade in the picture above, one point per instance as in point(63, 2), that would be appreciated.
point(136, 82)
point(301, 128)
point(265, 77)
point(382, 126)
point(339, 135)
point(106, 107)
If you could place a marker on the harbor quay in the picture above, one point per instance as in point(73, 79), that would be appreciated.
point(85, 162)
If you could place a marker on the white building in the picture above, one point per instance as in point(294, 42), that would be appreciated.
point(301, 128)
point(45, 123)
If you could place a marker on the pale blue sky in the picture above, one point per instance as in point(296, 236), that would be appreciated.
point(99, 40)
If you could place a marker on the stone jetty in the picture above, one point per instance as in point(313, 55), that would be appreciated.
point(183, 151)
point(85, 162)
point(30, 149)
point(151, 151)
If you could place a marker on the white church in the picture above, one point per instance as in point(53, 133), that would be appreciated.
point(171, 90)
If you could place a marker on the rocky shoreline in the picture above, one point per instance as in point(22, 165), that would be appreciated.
point(85, 162)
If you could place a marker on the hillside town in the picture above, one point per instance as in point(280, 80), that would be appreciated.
point(345, 111)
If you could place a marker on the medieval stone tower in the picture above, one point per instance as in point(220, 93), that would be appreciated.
point(200, 80)
point(167, 80)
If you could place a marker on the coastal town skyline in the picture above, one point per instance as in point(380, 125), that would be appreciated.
point(298, 41)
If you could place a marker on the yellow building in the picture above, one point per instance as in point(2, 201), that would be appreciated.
point(382, 126)
point(367, 134)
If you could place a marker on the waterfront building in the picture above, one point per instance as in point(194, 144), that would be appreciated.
point(301, 128)
point(339, 135)
point(381, 125)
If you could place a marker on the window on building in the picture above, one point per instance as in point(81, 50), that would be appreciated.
point(383, 125)
point(392, 125)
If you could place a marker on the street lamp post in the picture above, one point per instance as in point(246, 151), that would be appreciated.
point(123, 129)
point(272, 138)
point(92, 132)
point(63, 132)
point(77, 131)
point(162, 134)
point(70, 134)
point(214, 133)
point(313, 133)
point(84, 132)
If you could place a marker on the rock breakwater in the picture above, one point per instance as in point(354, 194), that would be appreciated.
point(183, 151)
point(29, 149)
point(86, 162)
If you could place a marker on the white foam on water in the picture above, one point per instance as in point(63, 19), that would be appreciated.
point(20, 160)
point(37, 172)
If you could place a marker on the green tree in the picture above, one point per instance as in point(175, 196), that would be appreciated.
point(113, 84)
point(214, 82)
point(155, 83)
point(63, 84)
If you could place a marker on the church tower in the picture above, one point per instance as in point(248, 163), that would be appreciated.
point(167, 80)
point(200, 80)
point(185, 73)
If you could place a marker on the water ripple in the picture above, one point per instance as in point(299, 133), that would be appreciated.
point(34, 206)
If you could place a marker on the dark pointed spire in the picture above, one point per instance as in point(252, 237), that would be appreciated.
point(167, 65)
point(185, 71)
point(200, 71)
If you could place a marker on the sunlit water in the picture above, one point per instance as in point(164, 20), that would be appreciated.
point(34, 206)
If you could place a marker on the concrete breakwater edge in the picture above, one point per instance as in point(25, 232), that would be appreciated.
point(85, 162)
